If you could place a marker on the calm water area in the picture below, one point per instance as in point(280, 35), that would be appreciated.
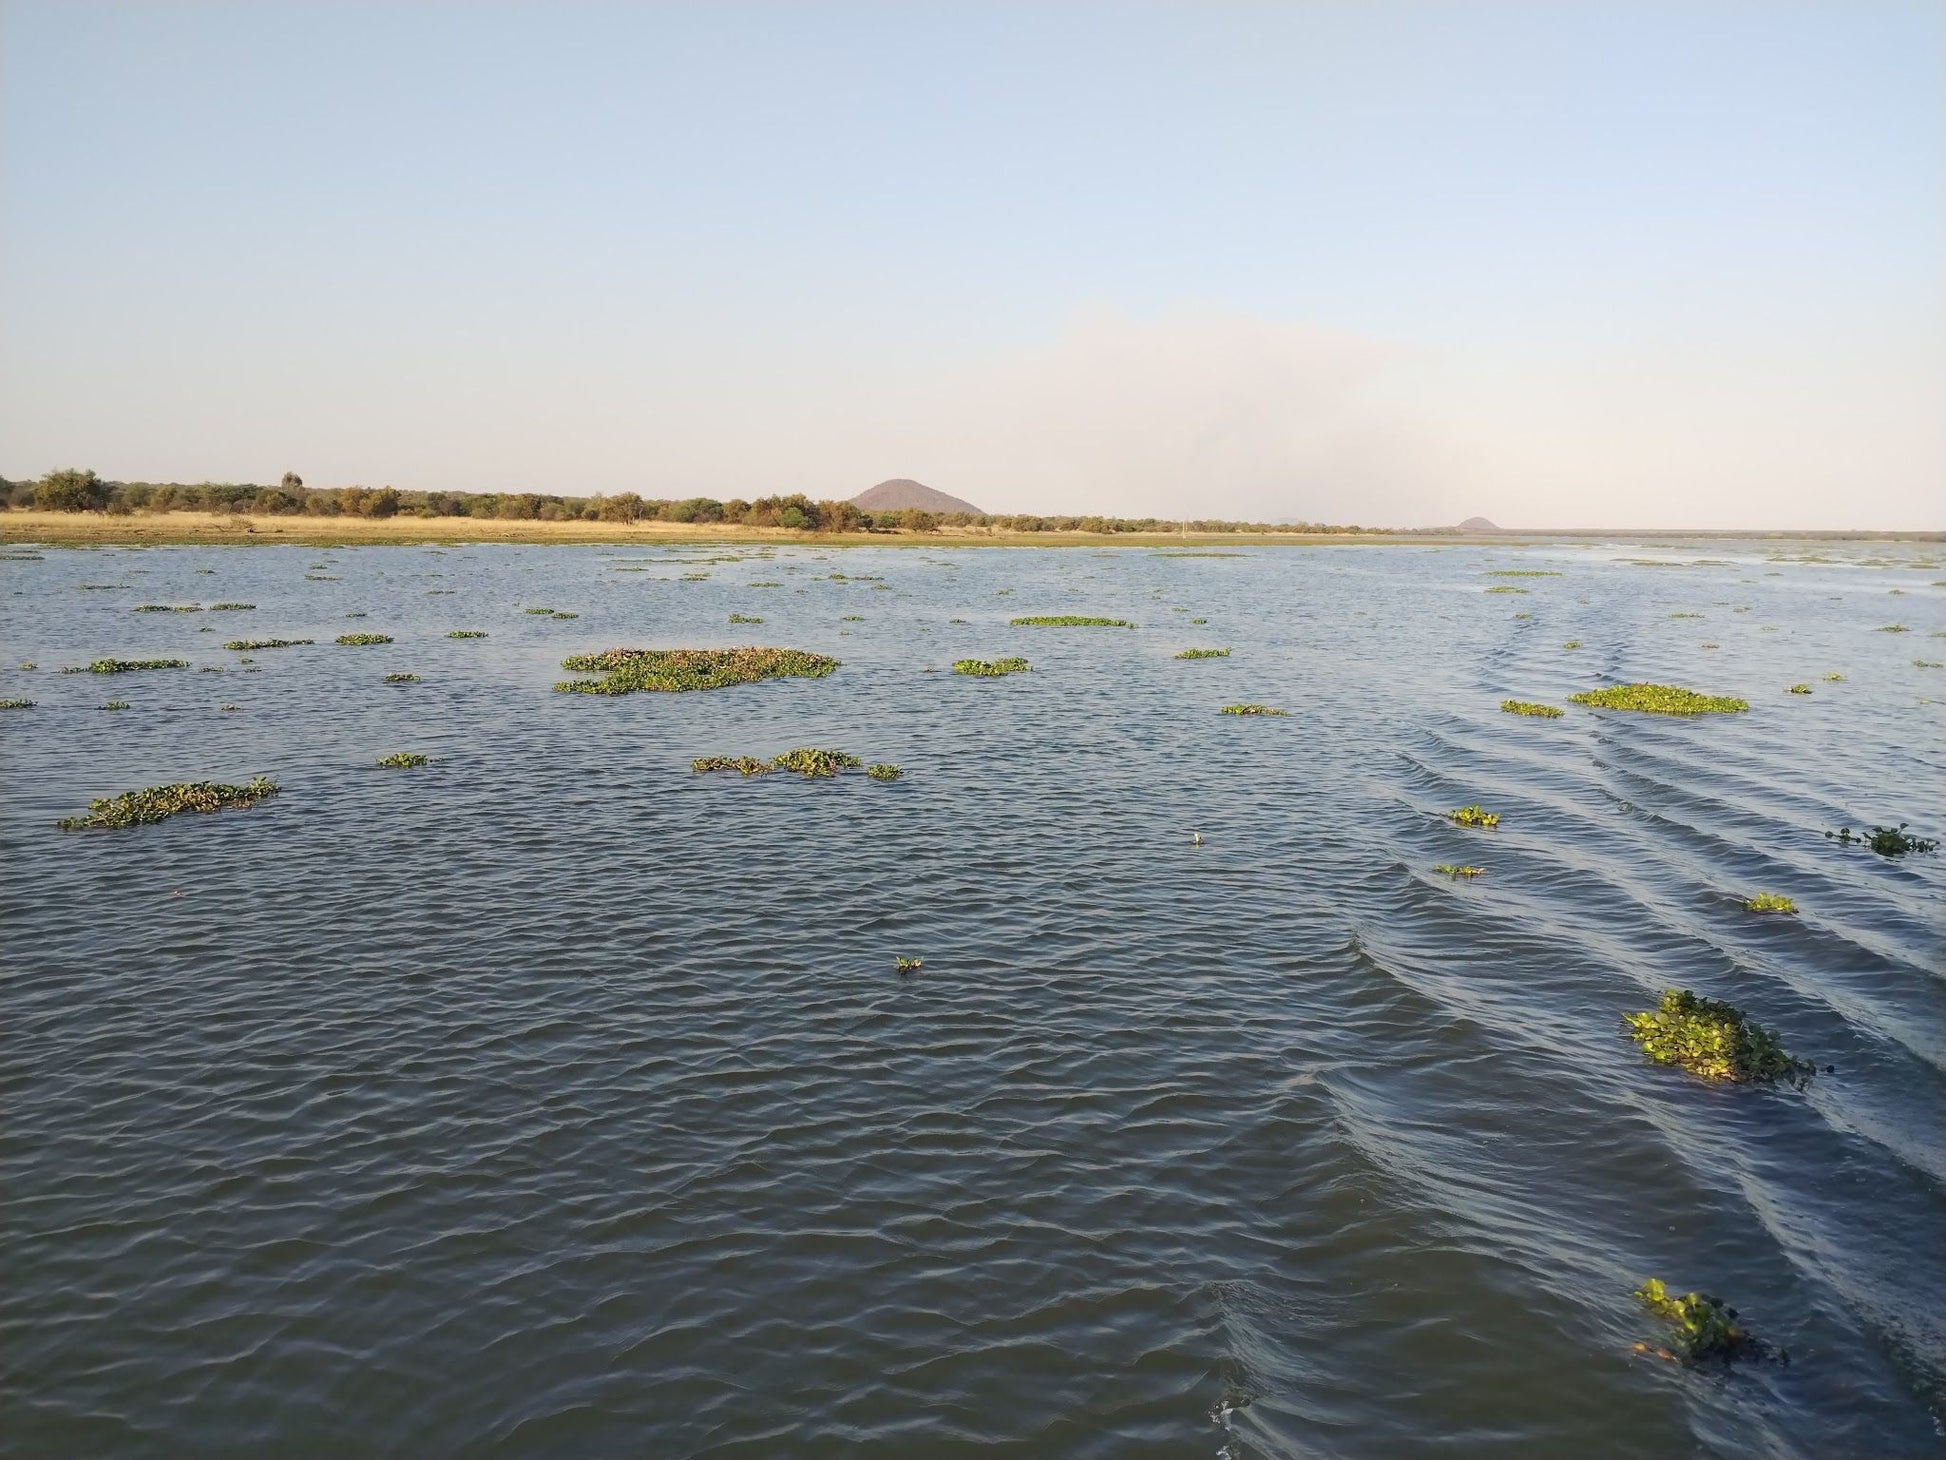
point(553, 1100)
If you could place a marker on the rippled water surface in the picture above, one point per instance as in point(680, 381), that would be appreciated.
point(553, 1100)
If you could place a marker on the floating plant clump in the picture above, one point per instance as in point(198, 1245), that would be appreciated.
point(1714, 1040)
point(229, 607)
point(1457, 871)
point(744, 618)
point(159, 803)
point(361, 639)
point(1069, 621)
point(1521, 573)
point(1894, 629)
point(1659, 699)
point(1473, 816)
point(1834, 678)
point(1505, 588)
point(1251, 710)
point(168, 608)
point(677, 670)
point(244, 646)
point(1204, 654)
point(466, 634)
point(401, 679)
point(1770, 902)
point(1705, 1327)
point(902, 964)
point(401, 760)
point(990, 668)
point(884, 771)
point(1800, 689)
point(129, 666)
point(16, 704)
point(816, 764)
point(1528, 707)
point(746, 765)
point(116, 705)
point(1572, 644)
point(1887, 841)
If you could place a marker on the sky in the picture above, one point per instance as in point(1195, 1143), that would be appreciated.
point(1556, 263)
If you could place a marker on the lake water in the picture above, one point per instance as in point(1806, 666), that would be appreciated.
point(553, 1100)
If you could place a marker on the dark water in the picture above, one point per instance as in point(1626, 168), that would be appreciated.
point(551, 1100)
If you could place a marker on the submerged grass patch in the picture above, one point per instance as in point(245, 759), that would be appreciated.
point(244, 646)
point(1251, 710)
point(1887, 841)
point(130, 666)
point(159, 803)
point(1704, 1327)
point(678, 670)
point(1713, 1040)
point(990, 668)
point(1068, 621)
point(401, 760)
point(1529, 707)
point(1204, 654)
point(1659, 699)
point(361, 639)
point(1473, 816)
point(1770, 902)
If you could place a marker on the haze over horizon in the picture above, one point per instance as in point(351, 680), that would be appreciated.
point(1604, 264)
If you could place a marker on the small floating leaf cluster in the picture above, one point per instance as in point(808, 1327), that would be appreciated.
point(1770, 902)
point(1714, 1040)
point(16, 704)
point(1251, 710)
point(808, 762)
point(990, 668)
point(744, 618)
point(902, 964)
point(466, 634)
point(1069, 621)
point(1800, 689)
point(1528, 707)
point(1473, 816)
point(360, 639)
point(1204, 654)
point(1705, 1327)
point(401, 760)
point(677, 670)
point(244, 646)
point(129, 666)
point(401, 679)
point(1887, 841)
point(168, 608)
point(1659, 699)
point(116, 705)
point(884, 771)
point(1522, 573)
point(231, 607)
point(1505, 588)
point(159, 803)
point(1449, 869)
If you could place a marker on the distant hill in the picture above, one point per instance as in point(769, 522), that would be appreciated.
point(901, 493)
point(1477, 524)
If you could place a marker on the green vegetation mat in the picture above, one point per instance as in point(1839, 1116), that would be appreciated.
point(129, 666)
point(990, 668)
point(1705, 1327)
point(361, 639)
point(679, 670)
point(244, 646)
point(1069, 621)
point(884, 771)
point(1713, 1040)
point(1251, 710)
point(1659, 699)
point(401, 760)
point(1528, 707)
point(1770, 902)
point(1204, 654)
point(159, 803)
point(1473, 816)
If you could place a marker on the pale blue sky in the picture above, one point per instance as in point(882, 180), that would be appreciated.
point(1573, 263)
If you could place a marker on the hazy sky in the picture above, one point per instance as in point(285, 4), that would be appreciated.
point(1560, 263)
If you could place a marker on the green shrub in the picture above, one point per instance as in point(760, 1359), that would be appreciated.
point(1770, 902)
point(159, 803)
point(1250, 710)
point(990, 669)
point(361, 639)
point(245, 646)
point(1659, 699)
point(678, 670)
point(883, 772)
point(1204, 654)
point(1528, 707)
point(129, 666)
point(1713, 1040)
point(401, 760)
point(1705, 1328)
point(1069, 621)
point(1473, 816)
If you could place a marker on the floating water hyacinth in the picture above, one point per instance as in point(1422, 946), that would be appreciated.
point(1068, 621)
point(1473, 816)
point(742, 618)
point(16, 704)
point(816, 764)
point(1250, 710)
point(356, 640)
point(159, 803)
point(1887, 841)
point(1204, 654)
point(1800, 689)
point(1770, 902)
point(1714, 1041)
point(884, 771)
point(1659, 699)
point(229, 607)
point(1505, 588)
point(908, 965)
point(1521, 573)
point(1894, 629)
point(466, 633)
point(116, 705)
point(742, 764)
point(1705, 1327)
point(245, 646)
point(1572, 644)
point(130, 666)
point(401, 679)
point(990, 669)
point(1528, 707)
point(401, 760)
point(1454, 871)
point(1834, 678)
point(169, 608)
point(678, 670)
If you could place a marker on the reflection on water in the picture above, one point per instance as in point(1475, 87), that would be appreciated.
point(552, 1100)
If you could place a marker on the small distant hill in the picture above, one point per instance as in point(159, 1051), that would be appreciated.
point(1477, 524)
point(900, 493)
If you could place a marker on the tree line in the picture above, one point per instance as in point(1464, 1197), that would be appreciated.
point(77, 490)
